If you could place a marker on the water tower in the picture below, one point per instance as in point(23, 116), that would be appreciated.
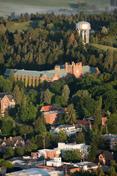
point(83, 29)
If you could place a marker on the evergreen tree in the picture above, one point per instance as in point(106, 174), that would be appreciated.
point(71, 114)
point(65, 94)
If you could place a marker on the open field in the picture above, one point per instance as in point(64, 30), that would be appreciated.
point(57, 3)
point(30, 6)
point(104, 47)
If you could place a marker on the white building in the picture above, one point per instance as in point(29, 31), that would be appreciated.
point(85, 166)
point(56, 162)
point(68, 129)
point(83, 148)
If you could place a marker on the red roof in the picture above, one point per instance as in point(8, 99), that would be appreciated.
point(83, 122)
point(47, 108)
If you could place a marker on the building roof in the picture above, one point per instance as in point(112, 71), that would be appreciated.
point(47, 108)
point(2, 94)
point(88, 69)
point(84, 122)
point(30, 172)
point(49, 73)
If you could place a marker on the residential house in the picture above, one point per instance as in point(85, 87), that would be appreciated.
point(56, 162)
point(84, 123)
point(49, 153)
point(51, 113)
point(68, 129)
point(6, 102)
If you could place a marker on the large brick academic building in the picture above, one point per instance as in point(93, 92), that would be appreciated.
point(33, 78)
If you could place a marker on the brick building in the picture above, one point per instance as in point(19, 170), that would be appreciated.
point(51, 113)
point(6, 102)
point(49, 153)
point(33, 78)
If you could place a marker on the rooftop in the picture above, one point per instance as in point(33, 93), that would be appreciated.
point(49, 73)
point(30, 172)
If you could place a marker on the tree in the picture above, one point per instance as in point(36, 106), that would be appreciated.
point(112, 171)
point(94, 144)
point(80, 138)
point(108, 64)
point(65, 94)
point(18, 94)
point(24, 129)
point(72, 156)
point(112, 124)
point(104, 30)
point(62, 136)
point(27, 112)
point(98, 114)
point(19, 151)
point(40, 128)
point(9, 152)
point(47, 96)
point(7, 126)
point(71, 114)
point(100, 172)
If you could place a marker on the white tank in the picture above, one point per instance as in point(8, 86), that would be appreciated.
point(83, 29)
point(83, 25)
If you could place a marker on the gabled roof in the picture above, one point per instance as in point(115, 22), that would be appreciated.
point(2, 95)
point(47, 108)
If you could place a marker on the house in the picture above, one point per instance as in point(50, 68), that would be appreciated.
point(49, 153)
point(85, 123)
point(68, 129)
point(56, 162)
point(6, 102)
point(82, 166)
point(33, 78)
point(87, 166)
point(14, 142)
point(47, 108)
point(35, 155)
point(51, 113)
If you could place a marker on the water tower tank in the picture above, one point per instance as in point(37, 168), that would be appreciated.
point(83, 25)
point(83, 28)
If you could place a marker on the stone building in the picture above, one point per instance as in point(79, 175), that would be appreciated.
point(6, 101)
point(33, 78)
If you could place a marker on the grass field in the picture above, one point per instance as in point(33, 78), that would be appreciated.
point(8, 6)
point(57, 3)
point(103, 47)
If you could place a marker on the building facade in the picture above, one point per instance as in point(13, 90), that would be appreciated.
point(34, 78)
point(6, 102)
point(51, 113)
point(113, 3)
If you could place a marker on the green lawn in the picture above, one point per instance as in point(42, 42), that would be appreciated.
point(103, 47)
point(58, 3)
